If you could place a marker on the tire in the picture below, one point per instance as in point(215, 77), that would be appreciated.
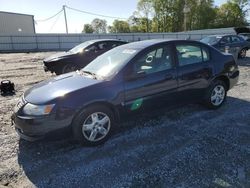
point(243, 53)
point(58, 72)
point(69, 68)
point(93, 125)
point(216, 94)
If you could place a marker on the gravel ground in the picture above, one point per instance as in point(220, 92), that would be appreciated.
point(187, 147)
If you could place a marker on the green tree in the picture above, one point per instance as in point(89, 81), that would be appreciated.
point(145, 7)
point(99, 25)
point(231, 14)
point(168, 15)
point(119, 27)
point(202, 14)
point(87, 28)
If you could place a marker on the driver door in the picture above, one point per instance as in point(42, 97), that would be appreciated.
point(152, 80)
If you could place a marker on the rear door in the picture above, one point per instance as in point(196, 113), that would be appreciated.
point(194, 70)
point(237, 45)
point(154, 80)
point(225, 44)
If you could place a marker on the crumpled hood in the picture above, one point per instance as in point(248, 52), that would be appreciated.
point(51, 89)
point(59, 55)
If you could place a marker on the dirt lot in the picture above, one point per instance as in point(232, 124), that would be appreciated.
point(187, 147)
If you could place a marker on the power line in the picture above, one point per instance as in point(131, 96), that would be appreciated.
point(54, 23)
point(49, 17)
point(91, 13)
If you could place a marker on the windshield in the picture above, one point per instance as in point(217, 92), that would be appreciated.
point(111, 62)
point(80, 47)
point(210, 40)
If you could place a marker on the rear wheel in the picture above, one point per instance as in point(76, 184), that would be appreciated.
point(216, 94)
point(93, 125)
point(243, 53)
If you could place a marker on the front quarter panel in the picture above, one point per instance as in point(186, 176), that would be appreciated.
point(108, 93)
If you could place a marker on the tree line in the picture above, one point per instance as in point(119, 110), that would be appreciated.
point(175, 16)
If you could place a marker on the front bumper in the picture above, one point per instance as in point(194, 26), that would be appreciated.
point(45, 68)
point(36, 128)
point(48, 66)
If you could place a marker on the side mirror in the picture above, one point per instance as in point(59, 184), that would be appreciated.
point(135, 76)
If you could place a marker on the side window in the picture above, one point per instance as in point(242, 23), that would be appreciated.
point(205, 53)
point(114, 44)
point(102, 46)
point(189, 54)
point(92, 48)
point(154, 61)
point(225, 40)
point(235, 39)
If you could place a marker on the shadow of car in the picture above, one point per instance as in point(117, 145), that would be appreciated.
point(234, 44)
point(79, 56)
point(194, 138)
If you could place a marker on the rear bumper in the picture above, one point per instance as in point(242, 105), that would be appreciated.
point(233, 77)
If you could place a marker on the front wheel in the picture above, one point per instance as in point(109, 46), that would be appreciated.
point(216, 94)
point(93, 125)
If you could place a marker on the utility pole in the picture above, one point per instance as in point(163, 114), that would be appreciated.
point(186, 10)
point(65, 17)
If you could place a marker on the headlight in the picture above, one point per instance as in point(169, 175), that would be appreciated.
point(31, 109)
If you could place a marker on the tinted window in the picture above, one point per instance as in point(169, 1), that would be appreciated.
point(80, 47)
point(235, 39)
point(114, 44)
point(225, 40)
point(154, 61)
point(92, 47)
point(205, 54)
point(210, 40)
point(189, 54)
point(103, 45)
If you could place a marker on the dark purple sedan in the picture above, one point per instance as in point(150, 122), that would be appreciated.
point(127, 80)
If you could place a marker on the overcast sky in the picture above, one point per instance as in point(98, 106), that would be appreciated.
point(43, 9)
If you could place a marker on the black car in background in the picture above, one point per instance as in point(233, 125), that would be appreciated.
point(136, 77)
point(79, 56)
point(233, 44)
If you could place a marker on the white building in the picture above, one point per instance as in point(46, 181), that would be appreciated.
point(16, 24)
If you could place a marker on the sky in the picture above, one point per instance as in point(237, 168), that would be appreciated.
point(43, 9)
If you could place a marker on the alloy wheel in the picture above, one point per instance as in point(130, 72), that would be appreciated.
point(218, 95)
point(96, 126)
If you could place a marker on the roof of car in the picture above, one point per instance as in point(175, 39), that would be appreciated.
point(102, 40)
point(244, 34)
point(147, 43)
point(222, 35)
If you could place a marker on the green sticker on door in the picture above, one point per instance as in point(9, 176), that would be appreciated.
point(136, 104)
